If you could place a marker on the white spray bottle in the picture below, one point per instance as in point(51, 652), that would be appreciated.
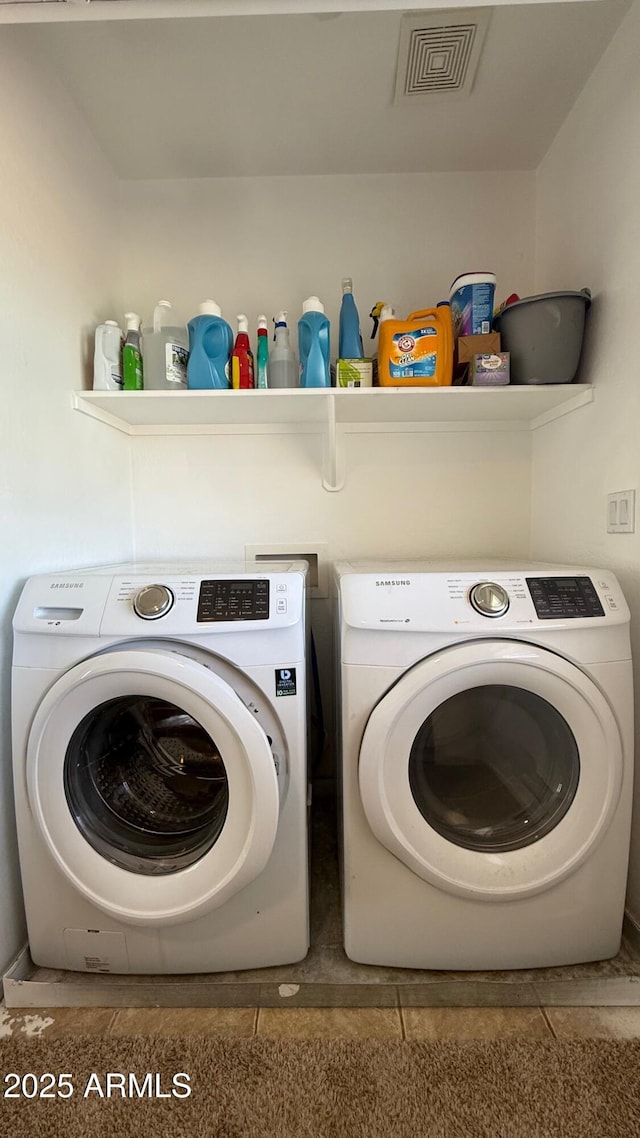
point(283, 366)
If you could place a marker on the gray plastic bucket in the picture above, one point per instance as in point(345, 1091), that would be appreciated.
point(544, 335)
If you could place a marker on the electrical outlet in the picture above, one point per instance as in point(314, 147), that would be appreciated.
point(314, 552)
point(621, 512)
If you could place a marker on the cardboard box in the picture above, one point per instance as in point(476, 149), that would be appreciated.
point(469, 346)
point(489, 370)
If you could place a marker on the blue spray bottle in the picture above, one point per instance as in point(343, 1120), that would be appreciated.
point(350, 339)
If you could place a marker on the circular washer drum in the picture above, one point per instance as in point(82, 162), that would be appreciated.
point(544, 335)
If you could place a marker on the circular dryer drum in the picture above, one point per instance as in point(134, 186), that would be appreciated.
point(482, 771)
point(494, 768)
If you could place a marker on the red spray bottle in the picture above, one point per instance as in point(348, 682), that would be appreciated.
point(242, 357)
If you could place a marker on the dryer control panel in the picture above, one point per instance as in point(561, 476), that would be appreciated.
point(564, 598)
point(482, 602)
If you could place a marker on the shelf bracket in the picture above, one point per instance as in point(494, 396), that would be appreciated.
point(333, 472)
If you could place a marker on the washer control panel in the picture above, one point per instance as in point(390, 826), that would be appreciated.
point(162, 600)
point(241, 599)
point(564, 598)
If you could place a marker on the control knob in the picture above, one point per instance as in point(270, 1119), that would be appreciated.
point(152, 602)
point(489, 599)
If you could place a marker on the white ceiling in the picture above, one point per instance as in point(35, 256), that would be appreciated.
point(313, 94)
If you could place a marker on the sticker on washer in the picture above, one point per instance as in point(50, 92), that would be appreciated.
point(286, 681)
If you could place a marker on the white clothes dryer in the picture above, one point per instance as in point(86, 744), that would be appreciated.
point(160, 767)
point(486, 773)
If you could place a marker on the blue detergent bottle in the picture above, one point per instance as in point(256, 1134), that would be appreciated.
point(314, 344)
point(349, 339)
point(210, 345)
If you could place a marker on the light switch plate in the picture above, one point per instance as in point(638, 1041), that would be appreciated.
point(621, 512)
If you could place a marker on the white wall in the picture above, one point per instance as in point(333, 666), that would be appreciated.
point(588, 224)
point(259, 245)
point(264, 244)
point(69, 232)
point(64, 479)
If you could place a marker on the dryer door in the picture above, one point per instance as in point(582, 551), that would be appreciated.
point(491, 769)
point(153, 785)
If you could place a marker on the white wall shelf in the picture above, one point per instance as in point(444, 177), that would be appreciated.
point(333, 413)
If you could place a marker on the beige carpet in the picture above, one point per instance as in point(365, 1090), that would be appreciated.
point(289, 1088)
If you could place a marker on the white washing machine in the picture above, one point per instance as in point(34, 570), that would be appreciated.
point(487, 753)
point(160, 767)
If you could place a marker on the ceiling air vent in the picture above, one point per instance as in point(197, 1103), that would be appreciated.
point(439, 54)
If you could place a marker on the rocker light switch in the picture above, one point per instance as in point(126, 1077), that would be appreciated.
point(621, 512)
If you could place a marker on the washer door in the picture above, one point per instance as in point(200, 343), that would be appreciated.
point(153, 785)
point(491, 769)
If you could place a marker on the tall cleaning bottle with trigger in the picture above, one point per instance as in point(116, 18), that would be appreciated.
point(349, 337)
point(242, 357)
point(210, 345)
point(314, 344)
point(262, 354)
point(131, 355)
point(283, 366)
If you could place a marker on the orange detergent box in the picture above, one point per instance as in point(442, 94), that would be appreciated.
point(418, 351)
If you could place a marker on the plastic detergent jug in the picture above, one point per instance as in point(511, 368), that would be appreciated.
point(165, 350)
point(418, 351)
point(283, 367)
point(262, 354)
point(242, 357)
point(131, 355)
point(349, 339)
point(107, 357)
point(210, 344)
point(471, 298)
point(314, 344)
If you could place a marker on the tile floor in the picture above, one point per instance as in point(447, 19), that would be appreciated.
point(326, 1023)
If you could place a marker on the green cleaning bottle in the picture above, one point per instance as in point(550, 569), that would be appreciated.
point(262, 354)
point(131, 356)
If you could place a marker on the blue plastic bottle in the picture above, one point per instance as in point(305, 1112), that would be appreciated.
point(314, 345)
point(350, 340)
point(210, 344)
